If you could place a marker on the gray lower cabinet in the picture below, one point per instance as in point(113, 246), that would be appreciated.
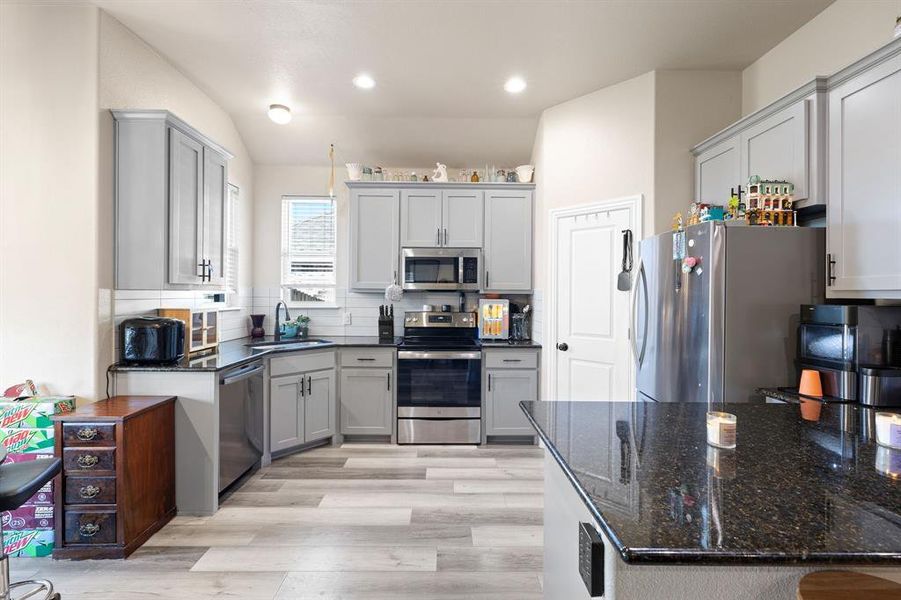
point(506, 388)
point(170, 194)
point(286, 413)
point(319, 405)
point(366, 401)
point(374, 238)
point(508, 241)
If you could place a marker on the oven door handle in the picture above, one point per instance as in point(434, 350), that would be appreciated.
point(438, 355)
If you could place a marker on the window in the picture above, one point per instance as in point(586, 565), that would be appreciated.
point(308, 250)
point(231, 244)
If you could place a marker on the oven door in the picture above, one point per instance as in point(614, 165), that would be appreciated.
point(439, 384)
point(440, 269)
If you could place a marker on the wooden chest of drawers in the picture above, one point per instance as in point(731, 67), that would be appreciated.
point(117, 485)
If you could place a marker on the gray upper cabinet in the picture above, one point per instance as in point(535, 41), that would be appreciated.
point(170, 193)
point(434, 218)
point(506, 388)
point(320, 405)
point(864, 224)
point(776, 148)
point(374, 238)
point(717, 171)
point(366, 401)
point(186, 199)
point(508, 240)
point(420, 219)
point(215, 192)
point(462, 218)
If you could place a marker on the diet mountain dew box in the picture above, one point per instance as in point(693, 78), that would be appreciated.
point(27, 517)
point(35, 412)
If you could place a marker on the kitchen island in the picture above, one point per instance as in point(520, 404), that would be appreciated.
point(678, 519)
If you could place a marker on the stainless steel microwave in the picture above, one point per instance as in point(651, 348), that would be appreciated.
point(441, 268)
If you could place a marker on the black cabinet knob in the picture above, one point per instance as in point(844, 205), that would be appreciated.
point(563, 347)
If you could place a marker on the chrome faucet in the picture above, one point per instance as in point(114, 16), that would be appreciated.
point(278, 329)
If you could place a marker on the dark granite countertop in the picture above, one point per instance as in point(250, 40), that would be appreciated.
point(510, 344)
point(792, 491)
point(234, 353)
point(791, 395)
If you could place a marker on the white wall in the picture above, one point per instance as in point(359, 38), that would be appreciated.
point(843, 33)
point(134, 75)
point(49, 197)
point(690, 106)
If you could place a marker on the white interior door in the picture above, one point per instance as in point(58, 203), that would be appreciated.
point(592, 355)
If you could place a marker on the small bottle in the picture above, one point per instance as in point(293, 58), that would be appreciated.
point(475, 177)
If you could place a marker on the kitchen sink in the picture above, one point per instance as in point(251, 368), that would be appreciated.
point(289, 344)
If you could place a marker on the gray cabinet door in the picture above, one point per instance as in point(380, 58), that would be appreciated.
point(215, 191)
point(508, 241)
point(776, 148)
point(717, 171)
point(366, 400)
point(420, 219)
point(286, 412)
point(374, 238)
point(319, 405)
point(462, 218)
point(506, 388)
point(864, 224)
point(185, 208)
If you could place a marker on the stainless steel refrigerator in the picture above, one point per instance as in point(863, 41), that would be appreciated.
point(716, 331)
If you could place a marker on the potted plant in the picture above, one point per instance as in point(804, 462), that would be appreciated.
point(302, 323)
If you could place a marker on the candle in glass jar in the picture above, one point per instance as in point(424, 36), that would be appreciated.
point(888, 430)
point(721, 429)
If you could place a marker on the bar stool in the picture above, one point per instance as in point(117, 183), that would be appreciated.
point(841, 585)
point(18, 483)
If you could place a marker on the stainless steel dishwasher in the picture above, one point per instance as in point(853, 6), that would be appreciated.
point(240, 422)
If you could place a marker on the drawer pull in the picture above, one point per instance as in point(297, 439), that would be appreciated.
point(365, 359)
point(89, 529)
point(512, 360)
point(86, 434)
point(89, 491)
point(87, 461)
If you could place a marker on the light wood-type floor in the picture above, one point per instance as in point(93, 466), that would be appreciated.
point(369, 521)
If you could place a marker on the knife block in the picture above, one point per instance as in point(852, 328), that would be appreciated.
point(386, 329)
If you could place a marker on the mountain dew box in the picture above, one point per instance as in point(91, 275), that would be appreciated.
point(35, 412)
point(28, 542)
point(44, 496)
point(27, 441)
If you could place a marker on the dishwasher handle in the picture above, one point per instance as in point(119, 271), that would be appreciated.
point(241, 374)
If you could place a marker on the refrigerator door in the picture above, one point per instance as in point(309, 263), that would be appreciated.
point(675, 366)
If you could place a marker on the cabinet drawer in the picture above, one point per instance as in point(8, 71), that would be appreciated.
point(90, 490)
point(90, 527)
point(89, 459)
point(301, 363)
point(511, 359)
point(367, 357)
point(89, 434)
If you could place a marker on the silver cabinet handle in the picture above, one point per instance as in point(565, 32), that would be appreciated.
point(86, 434)
point(89, 491)
point(89, 529)
point(87, 461)
point(301, 389)
point(489, 382)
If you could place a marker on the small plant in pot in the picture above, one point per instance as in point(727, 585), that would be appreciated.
point(302, 323)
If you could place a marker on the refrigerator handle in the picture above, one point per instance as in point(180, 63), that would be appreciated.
point(637, 354)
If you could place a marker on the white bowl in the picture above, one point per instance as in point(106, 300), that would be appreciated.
point(524, 173)
point(354, 171)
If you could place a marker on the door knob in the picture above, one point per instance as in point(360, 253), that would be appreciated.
point(563, 347)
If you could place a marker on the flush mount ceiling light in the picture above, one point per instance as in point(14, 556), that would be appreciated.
point(515, 85)
point(279, 113)
point(364, 81)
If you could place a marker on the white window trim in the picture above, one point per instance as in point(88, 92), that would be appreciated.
point(232, 295)
point(283, 254)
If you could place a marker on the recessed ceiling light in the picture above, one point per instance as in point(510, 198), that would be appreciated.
point(364, 82)
point(279, 113)
point(515, 85)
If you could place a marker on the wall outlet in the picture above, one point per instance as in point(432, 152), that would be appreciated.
point(347, 318)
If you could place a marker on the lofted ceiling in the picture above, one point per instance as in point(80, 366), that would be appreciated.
point(439, 66)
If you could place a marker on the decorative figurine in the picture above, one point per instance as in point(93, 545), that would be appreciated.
point(771, 201)
point(694, 213)
point(440, 174)
point(711, 212)
point(678, 223)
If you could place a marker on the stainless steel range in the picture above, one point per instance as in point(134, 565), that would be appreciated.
point(439, 371)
